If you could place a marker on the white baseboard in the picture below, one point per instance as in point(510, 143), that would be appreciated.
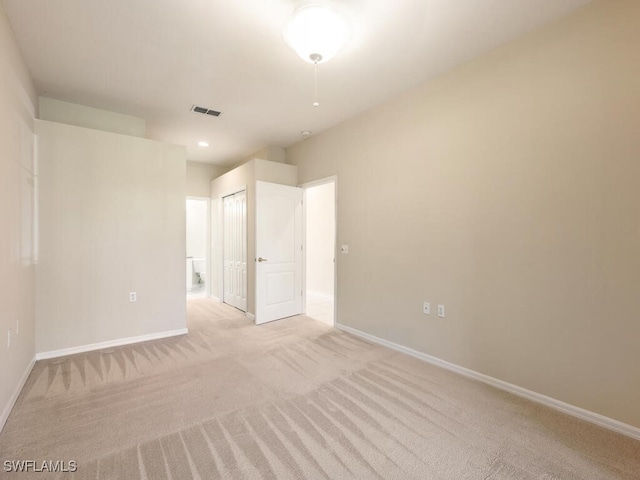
point(250, 316)
point(215, 299)
point(12, 401)
point(592, 417)
point(111, 343)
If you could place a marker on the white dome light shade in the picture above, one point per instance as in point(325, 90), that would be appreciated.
point(316, 30)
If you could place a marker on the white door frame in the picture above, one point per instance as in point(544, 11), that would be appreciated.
point(332, 179)
point(219, 235)
point(207, 261)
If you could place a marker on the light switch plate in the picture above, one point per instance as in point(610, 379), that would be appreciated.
point(426, 308)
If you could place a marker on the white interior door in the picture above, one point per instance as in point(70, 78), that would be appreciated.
point(235, 250)
point(278, 251)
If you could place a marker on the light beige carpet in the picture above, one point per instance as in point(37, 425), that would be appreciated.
point(293, 399)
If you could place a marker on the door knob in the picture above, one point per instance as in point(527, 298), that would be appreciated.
point(260, 259)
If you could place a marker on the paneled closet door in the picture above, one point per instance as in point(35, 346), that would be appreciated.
point(235, 250)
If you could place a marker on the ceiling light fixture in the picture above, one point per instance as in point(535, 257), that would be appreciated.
point(316, 33)
point(202, 143)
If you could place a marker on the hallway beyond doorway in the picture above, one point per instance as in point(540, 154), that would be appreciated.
point(320, 307)
point(320, 248)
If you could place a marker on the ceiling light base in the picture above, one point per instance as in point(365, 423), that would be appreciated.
point(315, 57)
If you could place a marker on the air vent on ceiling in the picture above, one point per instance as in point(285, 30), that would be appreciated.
point(205, 111)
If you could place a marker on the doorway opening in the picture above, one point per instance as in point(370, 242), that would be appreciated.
point(197, 258)
point(320, 250)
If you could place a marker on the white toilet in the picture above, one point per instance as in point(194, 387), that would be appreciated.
point(199, 268)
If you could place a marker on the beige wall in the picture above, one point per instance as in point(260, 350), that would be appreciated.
point(112, 211)
point(507, 190)
point(271, 154)
point(240, 178)
point(18, 102)
point(199, 176)
point(82, 116)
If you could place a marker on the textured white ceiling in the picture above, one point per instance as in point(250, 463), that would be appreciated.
point(156, 58)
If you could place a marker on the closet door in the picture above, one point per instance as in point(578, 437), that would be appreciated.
point(235, 250)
